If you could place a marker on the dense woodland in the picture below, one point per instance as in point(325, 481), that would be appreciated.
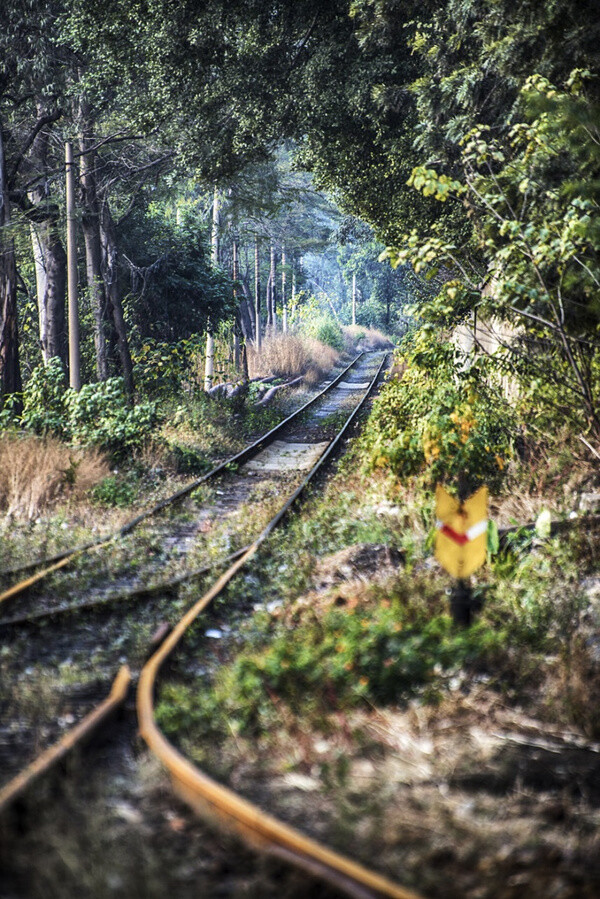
point(463, 138)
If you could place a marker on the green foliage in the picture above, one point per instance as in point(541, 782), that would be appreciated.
point(114, 491)
point(188, 460)
point(162, 367)
point(99, 415)
point(44, 400)
point(383, 654)
point(325, 329)
point(439, 420)
point(534, 197)
point(175, 291)
point(536, 594)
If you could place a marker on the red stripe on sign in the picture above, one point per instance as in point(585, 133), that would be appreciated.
point(461, 539)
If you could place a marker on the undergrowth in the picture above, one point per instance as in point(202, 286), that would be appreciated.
point(391, 642)
point(36, 473)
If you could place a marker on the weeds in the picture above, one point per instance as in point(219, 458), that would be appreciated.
point(369, 339)
point(289, 355)
point(114, 491)
point(35, 473)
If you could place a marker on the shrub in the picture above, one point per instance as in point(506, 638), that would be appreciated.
point(114, 491)
point(326, 330)
point(99, 415)
point(440, 422)
point(188, 460)
point(44, 408)
point(161, 368)
point(349, 655)
point(382, 654)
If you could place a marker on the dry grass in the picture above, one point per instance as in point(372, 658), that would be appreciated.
point(35, 473)
point(368, 338)
point(288, 356)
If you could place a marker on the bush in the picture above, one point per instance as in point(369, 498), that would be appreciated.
point(161, 368)
point(382, 654)
point(114, 491)
point(99, 415)
point(44, 408)
point(441, 422)
point(326, 330)
point(188, 460)
point(350, 655)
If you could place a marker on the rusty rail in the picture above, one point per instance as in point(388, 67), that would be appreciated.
point(64, 558)
point(212, 800)
point(83, 731)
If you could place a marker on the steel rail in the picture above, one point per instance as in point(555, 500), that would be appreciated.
point(86, 728)
point(65, 557)
point(112, 598)
point(210, 799)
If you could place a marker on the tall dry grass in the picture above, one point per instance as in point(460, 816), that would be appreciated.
point(367, 338)
point(290, 355)
point(35, 473)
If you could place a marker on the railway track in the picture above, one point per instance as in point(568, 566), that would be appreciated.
point(115, 591)
point(56, 562)
point(198, 790)
point(164, 543)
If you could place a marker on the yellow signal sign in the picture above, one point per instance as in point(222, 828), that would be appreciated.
point(461, 540)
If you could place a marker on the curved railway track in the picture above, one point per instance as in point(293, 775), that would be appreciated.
point(34, 606)
point(57, 561)
point(211, 799)
point(198, 790)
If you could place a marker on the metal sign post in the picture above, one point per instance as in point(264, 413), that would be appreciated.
point(461, 544)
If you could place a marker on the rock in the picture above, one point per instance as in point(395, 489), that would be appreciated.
point(361, 560)
point(589, 502)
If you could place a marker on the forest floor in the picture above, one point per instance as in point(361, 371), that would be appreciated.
point(478, 775)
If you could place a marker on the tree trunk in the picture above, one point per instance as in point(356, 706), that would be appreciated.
point(209, 362)
point(210, 342)
point(237, 328)
point(90, 224)
point(74, 348)
point(49, 256)
point(284, 322)
point(40, 285)
point(51, 280)
point(257, 323)
point(293, 299)
point(10, 373)
point(113, 295)
point(272, 293)
point(246, 315)
point(216, 225)
point(354, 298)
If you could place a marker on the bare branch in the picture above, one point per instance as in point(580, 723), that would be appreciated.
point(41, 123)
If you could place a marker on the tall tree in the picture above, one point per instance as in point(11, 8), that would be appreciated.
point(10, 375)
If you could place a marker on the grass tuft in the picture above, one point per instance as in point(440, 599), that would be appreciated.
point(369, 339)
point(36, 472)
point(289, 355)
